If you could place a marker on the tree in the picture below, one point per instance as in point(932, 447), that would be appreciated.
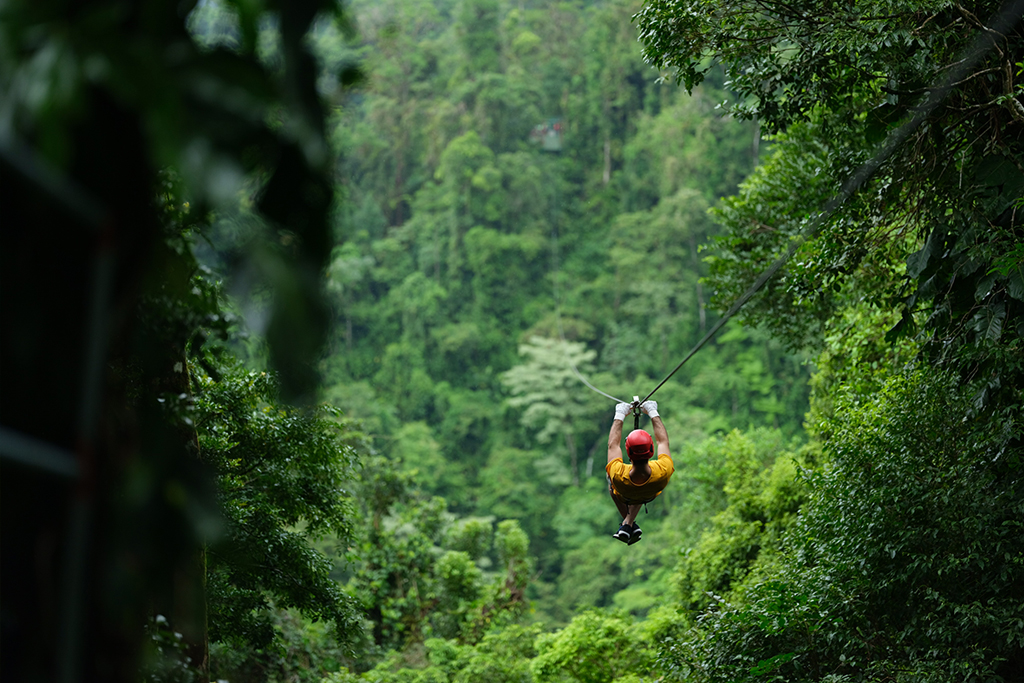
point(838, 79)
point(416, 446)
point(510, 487)
point(904, 561)
point(503, 655)
point(284, 479)
point(419, 572)
point(593, 648)
point(549, 392)
point(478, 33)
point(902, 116)
point(764, 496)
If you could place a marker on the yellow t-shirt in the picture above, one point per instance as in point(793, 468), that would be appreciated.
point(661, 471)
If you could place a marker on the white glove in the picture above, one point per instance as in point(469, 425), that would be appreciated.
point(621, 410)
point(650, 407)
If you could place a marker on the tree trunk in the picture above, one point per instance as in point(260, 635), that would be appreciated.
point(700, 288)
point(756, 147)
point(570, 443)
point(606, 176)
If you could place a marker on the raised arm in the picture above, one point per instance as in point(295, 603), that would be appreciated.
point(660, 433)
point(660, 436)
point(615, 435)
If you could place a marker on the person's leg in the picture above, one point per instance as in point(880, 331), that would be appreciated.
point(625, 531)
point(631, 512)
point(620, 503)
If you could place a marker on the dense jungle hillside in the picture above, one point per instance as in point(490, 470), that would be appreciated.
point(514, 210)
point(511, 212)
point(339, 277)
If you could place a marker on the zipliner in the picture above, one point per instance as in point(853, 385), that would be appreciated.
point(641, 481)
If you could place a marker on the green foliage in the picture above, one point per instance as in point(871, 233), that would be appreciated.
point(460, 235)
point(304, 651)
point(100, 100)
point(942, 205)
point(478, 30)
point(855, 360)
point(420, 573)
point(447, 218)
point(887, 574)
point(547, 390)
point(511, 485)
point(165, 658)
point(471, 536)
point(763, 498)
point(282, 474)
point(897, 564)
point(393, 579)
point(514, 568)
point(444, 275)
point(686, 146)
point(503, 655)
point(446, 302)
point(458, 577)
point(821, 57)
point(421, 455)
point(774, 206)
point(593, 648)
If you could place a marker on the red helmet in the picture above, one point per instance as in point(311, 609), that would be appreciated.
point(639, 444)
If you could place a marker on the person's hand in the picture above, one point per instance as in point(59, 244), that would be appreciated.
point(621, 410)
point(650, 407)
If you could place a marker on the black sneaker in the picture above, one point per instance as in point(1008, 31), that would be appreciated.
point(624, 533)
point(634, 534)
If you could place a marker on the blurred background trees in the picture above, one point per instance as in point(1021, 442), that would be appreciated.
point(120, 135)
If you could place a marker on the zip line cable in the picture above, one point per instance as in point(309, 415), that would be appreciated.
point(984, 42)
point(737, 305)
point(572, 365)
point(1000, 24)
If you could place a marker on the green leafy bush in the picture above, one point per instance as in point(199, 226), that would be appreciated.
point(593, 648)
point(283, 477)
point(905, 564)
point(763, 495)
